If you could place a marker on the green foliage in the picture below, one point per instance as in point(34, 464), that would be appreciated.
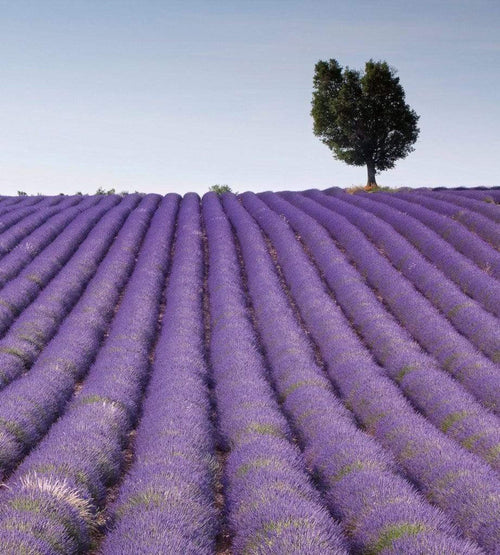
point(363, 119)
point(101, 191)
point(22, 194)
point(219, 189)
point(392, 533)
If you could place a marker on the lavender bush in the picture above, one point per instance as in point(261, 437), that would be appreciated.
point(272, 505)
point(282, 373)
point(436, 394)
point(462, 239)
point(30, 404)
point(166, 502)
point(461, 484)
point(344, 458)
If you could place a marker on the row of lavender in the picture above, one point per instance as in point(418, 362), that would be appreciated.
point(309, 333)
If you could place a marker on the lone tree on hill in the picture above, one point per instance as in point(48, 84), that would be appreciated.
point(363, 119)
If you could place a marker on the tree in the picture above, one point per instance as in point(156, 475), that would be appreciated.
point(219, 189)
point(363, 119)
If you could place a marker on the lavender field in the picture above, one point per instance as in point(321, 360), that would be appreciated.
point(276, 373)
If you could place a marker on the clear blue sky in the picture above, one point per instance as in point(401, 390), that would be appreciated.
point(177, 96)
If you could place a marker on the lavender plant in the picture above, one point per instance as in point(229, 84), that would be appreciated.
point(37, 324)
point(17, 214)
point(453, 265)
point(24, 243)
point(434, 392)
point(474, 202)
point(30, 404)
point(166, 501)
point(479, 327)
point(82, 453)
point(8, 203)
point(462, 239)
point(477, 223)
point(15, 233)
point(53, 254)
point(281, 373)
point(272, 505)
point(457, 481)
point(375, 505)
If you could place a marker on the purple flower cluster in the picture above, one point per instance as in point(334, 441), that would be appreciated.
point(431, 329)
point(478, 223)
point(255, 374)
point(11, 237)
point(378, 509)
point(462, 239)
point(453, 265)
point(30, 404)
point(452, 478)
point(14, 215)
point(37, 324)
point(82, 453)
point(272, 505)
point(436, 394)
point(474, 201)
point(21, 248)
point(12, 204)
point(9, 203)
point(166, 501)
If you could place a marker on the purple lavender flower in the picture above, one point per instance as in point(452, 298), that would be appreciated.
point(436, 394)
point(343, 457)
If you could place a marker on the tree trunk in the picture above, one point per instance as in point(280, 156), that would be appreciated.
point(370, 166)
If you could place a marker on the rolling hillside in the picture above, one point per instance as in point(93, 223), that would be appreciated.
point(273, 373)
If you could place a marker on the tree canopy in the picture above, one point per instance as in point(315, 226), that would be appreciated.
point(363, 118)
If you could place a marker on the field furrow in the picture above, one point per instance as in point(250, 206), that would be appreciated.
point(345, 458)
point(285, 373)
point(462, 239)
point(483, 226)
point(430, 389)
point(443, 470)
point(30, 404)
point(166, 502)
